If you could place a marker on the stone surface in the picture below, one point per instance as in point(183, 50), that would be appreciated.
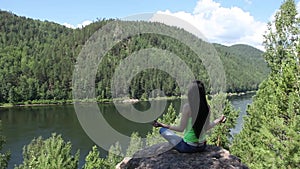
point(160, 156)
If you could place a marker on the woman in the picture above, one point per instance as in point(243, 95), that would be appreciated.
point(194, 122)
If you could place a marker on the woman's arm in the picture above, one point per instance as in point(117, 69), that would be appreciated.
point(215, 122)
point(183, 121)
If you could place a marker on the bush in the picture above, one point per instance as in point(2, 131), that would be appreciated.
point(169, 118)
point(115, 155)
point(135, 145)
point(94, 161)
point(220, 134)
point(52, 153)
point(4, 158)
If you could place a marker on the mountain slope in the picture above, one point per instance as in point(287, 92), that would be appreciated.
point(37, 59)
point(245, 67)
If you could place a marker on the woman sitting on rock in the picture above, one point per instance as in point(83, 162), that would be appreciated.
point(194, 122)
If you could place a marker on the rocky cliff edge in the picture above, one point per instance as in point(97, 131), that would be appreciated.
point(160, 156)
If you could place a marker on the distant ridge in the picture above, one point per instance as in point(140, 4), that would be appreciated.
point(245, 66)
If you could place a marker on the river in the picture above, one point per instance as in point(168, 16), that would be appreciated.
point(22, 124)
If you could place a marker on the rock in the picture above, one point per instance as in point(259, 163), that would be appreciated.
point(124, 161)
point(130, 101)
point(160, 156)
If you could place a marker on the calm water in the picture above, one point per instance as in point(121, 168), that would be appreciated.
point(22, 124)
point(240, 103)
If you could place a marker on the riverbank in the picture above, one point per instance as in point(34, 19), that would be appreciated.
point(37, 103)
point(64, 102)
point(241, 93)
point(118, 100)
point(51, 102)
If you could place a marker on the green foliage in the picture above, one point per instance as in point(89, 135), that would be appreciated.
point(135, 144)
point(271, 130)
point(53, 153)
point(154, 137)
point(171, 118)
point(239, 62)
point(94, 161)
point(37, 59)
point(115, 155)
point(284, 39)
point(270, 136)
point(220, 135)
point(4, 157)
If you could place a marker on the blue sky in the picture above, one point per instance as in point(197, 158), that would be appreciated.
point(75, 12)
point(251, 15)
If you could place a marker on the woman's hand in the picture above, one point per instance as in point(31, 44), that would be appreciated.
point(222, 119)
point(158, 124)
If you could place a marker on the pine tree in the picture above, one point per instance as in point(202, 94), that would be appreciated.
point(220, 134)
point(135, 144)
point(4, 157)
point(53, 153)
point(168, 118)
point(270, 136)
point(94, 161)
point(115, 155)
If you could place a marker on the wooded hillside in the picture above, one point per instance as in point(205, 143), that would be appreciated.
point(37, 59)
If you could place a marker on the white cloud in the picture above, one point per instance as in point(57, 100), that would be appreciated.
point(182, 21)
point(81, 25)
point(222, 25)
point(84, 23)
point(69, 25)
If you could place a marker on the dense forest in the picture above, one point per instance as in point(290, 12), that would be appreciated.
point(270, 136)
point(37, 60)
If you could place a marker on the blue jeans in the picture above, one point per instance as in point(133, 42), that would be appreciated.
point(178, 142)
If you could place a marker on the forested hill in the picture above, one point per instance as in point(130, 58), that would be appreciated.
point(244, 65)
point(37, 60)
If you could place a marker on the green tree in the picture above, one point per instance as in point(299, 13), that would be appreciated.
point(168, 118)
point(220, 134)
point(53, 153)
point(4, 157)
point(135, 144)
point(270, 136)
point(94, 161)
point(115, 155)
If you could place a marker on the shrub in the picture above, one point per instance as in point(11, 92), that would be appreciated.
point(4, 158)
point(52, 153)
point(94, 161)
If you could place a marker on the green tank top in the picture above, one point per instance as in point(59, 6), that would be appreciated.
point(189, 134)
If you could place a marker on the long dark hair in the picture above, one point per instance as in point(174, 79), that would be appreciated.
point(198, 104)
